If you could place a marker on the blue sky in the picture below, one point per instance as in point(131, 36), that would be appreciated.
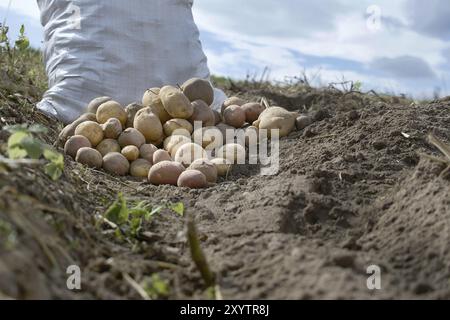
point(400, 46)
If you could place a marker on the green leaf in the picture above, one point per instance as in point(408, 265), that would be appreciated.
point(54, 156)
point(15, 150)
point(53, 170)
point(118, 211)
point(22, 30)
point(178, 208)
point(154, 211)
point(135, 225)
point(32, 146)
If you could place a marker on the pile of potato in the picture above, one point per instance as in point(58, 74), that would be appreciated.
point(154, 140)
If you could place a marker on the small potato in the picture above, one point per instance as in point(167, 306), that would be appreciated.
point(176, 103)
point(193, 179)
point(69, 130)
point(276, 118)
point(303, 121)
point(209, 138)
point(206, 167)
point(95, 103)
point(165, 172)
point(131, 111)
point(130, 152)
point(111, 109)
point(217, 117)
point(252, 111)
point(107, 146)
point(116, 163)
point(146, 152)
point(233, 152)
point(202, 113)
point(89, 157)
point(150, 96)
point(140, 168)
point(74, 144)
point(178, 127)
point(148, 124)
point(112, 128)
point(227, 131)
point(232, 101)
point(251, 135)
point(91, 130)
point(198, 89)
point(223, 166)
point(152, 100)
point(161, 155)
point(131, 137)
point(188, 153)
point(234, 116)
point(173, 143)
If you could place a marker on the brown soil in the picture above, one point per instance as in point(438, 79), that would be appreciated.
point(352, 191)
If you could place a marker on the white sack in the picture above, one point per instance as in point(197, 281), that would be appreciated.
point(116, 48)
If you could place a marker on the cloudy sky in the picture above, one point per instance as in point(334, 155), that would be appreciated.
point(400, 46)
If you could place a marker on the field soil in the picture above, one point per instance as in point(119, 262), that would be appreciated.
point(353, 190)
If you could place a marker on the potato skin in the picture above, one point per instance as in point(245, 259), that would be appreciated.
point(146, 152)
point(69, 130)
point(116, 163)
point(198, 89)
point(161, 155)
point(152, 100)
point(276, 118)
point(178, 126)
point(89, 157)
point(303, 121)
point(131, 111)
point(130, 152)
point(74, 143)
point(188, 153)
point(140, 168)
point(222, 166)
point(91, 130)
point(165, 172)
point(95, 103)
point(176, 103)
point(148, 124)
point(193, 179)
point(107, 146)
point(232, 101)
point(131, 137)
point(111, 109)
point(209, 138)
point(112, 128)
point(252, 111)
point(150, 96)
point(217, 117)
point(234, 116)
point(202, 112)
point(207, 168)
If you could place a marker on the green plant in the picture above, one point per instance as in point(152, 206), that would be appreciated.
point(156, 287)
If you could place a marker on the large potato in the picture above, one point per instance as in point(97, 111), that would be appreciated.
point(223, 166)
point(206, 167)
point(112, 128)
point(116, 163)
point(131, 137)
point(198, 89)
point(95, 103)
point(149, 125)
point(91, 130)
point(178, 127)
point(209, 138)
point(107, 146)
point(69, 130)
point(276, 118)
point(150, 96)
point(203, 113)
point(74, 143)
point(111, 109)
point(89, 157)
point(165, 172)
point(146, 152)
point(193, 179)
point(152, 100)
point(233, 152)
point(252, 111)
point(161, 155)
point(176, 103)
point(140, 168)
point(173, 143)
point(232, 101)
point(188, 153)
point(234, 116)
point(131, 111)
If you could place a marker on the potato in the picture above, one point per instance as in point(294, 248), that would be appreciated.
point(151, 99)
point(206, 167)
point(112, 128)
point(176, 103)
point(131, 137)
point(107, 146)
point(188, 153)
point(165, 172)
point(89, 157)
point(146, 152)
point(178, 127)
point(95, 103)
point(233, 152)
point(193, 179)
point(198, 89)
point(217, 117)
point(232, 101)
point(251, 135)
point(91, 130)
point(74, 143)
point(69, 130)
point(161, 155)
point(148, 124)
point(131, 111)
point(223, 166)
point(303, 121)
point(130, 152)
point(209, 138)
point(116, 163)
point(140, 168)
point(252, 111)
point(111, 109)
point(226, 130)
point(173, 143)
point(274, 118)
point(150, 96)
point(202, 112)
point(234, 116)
